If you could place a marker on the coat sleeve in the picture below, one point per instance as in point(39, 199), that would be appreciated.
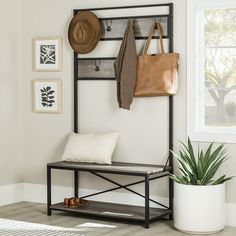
point(125, 68)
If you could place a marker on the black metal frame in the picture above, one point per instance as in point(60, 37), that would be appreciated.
point(168, 168)
point(147, 178)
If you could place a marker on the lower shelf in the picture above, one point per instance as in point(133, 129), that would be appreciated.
point(114, 211)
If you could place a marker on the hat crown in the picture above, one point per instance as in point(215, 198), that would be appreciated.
point(80, 32)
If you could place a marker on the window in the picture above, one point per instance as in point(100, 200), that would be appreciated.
point(211, 73)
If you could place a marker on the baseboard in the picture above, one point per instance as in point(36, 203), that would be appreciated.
point(38, 193)
point(11, 194)
point(231, 214)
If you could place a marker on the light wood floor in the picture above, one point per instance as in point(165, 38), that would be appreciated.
point(36, 213)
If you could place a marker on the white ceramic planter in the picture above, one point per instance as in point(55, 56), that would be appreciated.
point(199, 209)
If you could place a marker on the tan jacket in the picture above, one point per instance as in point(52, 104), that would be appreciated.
point(125, 67)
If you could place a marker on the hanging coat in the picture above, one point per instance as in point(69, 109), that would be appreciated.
point(125, 67)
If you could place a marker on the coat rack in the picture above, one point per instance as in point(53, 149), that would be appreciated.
point(148, 172)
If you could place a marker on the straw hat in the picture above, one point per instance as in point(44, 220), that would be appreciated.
point(84, 32)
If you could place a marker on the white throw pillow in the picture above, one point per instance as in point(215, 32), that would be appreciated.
point(94, 148)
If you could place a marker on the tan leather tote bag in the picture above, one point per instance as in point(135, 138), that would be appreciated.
point(157, 75)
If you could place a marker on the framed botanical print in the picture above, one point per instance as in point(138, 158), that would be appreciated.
point(47, 53)
point(47, 95)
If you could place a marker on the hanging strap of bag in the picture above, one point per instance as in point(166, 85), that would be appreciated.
point(156, 26)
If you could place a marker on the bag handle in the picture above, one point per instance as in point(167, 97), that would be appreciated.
point(156, 26)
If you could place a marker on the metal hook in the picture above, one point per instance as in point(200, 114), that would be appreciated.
point(97, 65)
point(108, 25)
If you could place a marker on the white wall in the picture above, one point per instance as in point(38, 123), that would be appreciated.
point(44, 134)
point(10, 91)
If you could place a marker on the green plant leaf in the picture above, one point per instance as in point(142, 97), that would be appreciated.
point(213, 156)
point(212, 170)
point(221, 180)
point(200, 165)
point(188, 151)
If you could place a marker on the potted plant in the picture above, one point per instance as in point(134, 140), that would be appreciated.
point(199, 198)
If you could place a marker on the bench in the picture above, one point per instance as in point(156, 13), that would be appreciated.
point(137, 214)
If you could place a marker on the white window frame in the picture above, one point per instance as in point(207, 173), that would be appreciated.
point(195, 37)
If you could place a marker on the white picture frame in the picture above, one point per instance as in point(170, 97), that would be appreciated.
point(47, 54)
point(47, 95)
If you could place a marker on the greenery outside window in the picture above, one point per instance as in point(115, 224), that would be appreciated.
point(212, 70)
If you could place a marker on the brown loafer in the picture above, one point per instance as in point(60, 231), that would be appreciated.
point(73, 202)
point(66, 202)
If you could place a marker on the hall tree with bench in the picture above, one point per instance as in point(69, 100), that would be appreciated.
point(83, 70)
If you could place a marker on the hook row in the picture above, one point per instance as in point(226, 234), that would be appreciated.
point(109, 23)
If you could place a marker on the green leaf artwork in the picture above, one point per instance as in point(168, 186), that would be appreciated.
point(47, 96)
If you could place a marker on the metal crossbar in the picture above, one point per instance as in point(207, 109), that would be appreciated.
point(116, 188)
point(124, 187)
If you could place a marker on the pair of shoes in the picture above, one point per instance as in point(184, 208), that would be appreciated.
point(75, 202)
point(71, 202)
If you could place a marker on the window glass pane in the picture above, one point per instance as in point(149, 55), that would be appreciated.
point(220, 67)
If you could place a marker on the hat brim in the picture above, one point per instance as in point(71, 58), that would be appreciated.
point(94, 29)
